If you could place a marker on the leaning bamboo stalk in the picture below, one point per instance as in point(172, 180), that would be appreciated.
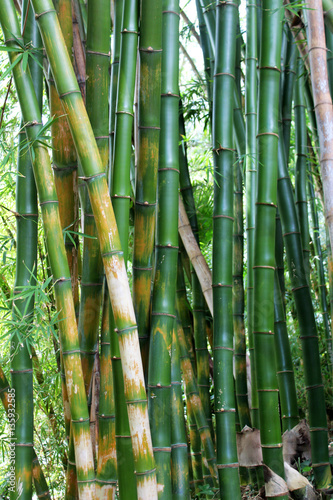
point(110, 246)
point(322, 103)
point(197, 259)
point(56, 252)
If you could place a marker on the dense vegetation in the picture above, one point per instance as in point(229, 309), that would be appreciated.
point(166, 231)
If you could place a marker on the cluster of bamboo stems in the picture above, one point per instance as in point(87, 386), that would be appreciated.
point(137, 368)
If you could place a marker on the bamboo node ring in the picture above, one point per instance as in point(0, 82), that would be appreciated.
point(37, 16)
point(228, 466)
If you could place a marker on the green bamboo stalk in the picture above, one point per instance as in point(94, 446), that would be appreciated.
point(117, 27)
point(109, 244)
point(224, 402)
point(307, 324)
point(125, 460)
point(56, 251)
point(106, 474)
point(120, 186)
point(7, 396)
point(150, 58)
point(179, 455)
point(264, 255)
point(288, 88)
point(164, 293)
point(251, 183)
point(207, 53)
point(301, 166)
point(284, 363)
point(238, 302)
point(26, 262)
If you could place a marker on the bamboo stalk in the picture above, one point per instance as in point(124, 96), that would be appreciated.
point(223, 218)
point(37, 473)
point(23, 307)
point(264, 255)
point(150, 58)
point(106, 474)
point(322, 103)
point(166, 252)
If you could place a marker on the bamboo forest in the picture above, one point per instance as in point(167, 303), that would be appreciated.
point(166, 236)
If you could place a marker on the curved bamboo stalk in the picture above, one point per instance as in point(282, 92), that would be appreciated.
point(164, 293)
point(224, 402)
point(264, 255)
point(322, 103)
point(150, 59)
point(110, 247)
